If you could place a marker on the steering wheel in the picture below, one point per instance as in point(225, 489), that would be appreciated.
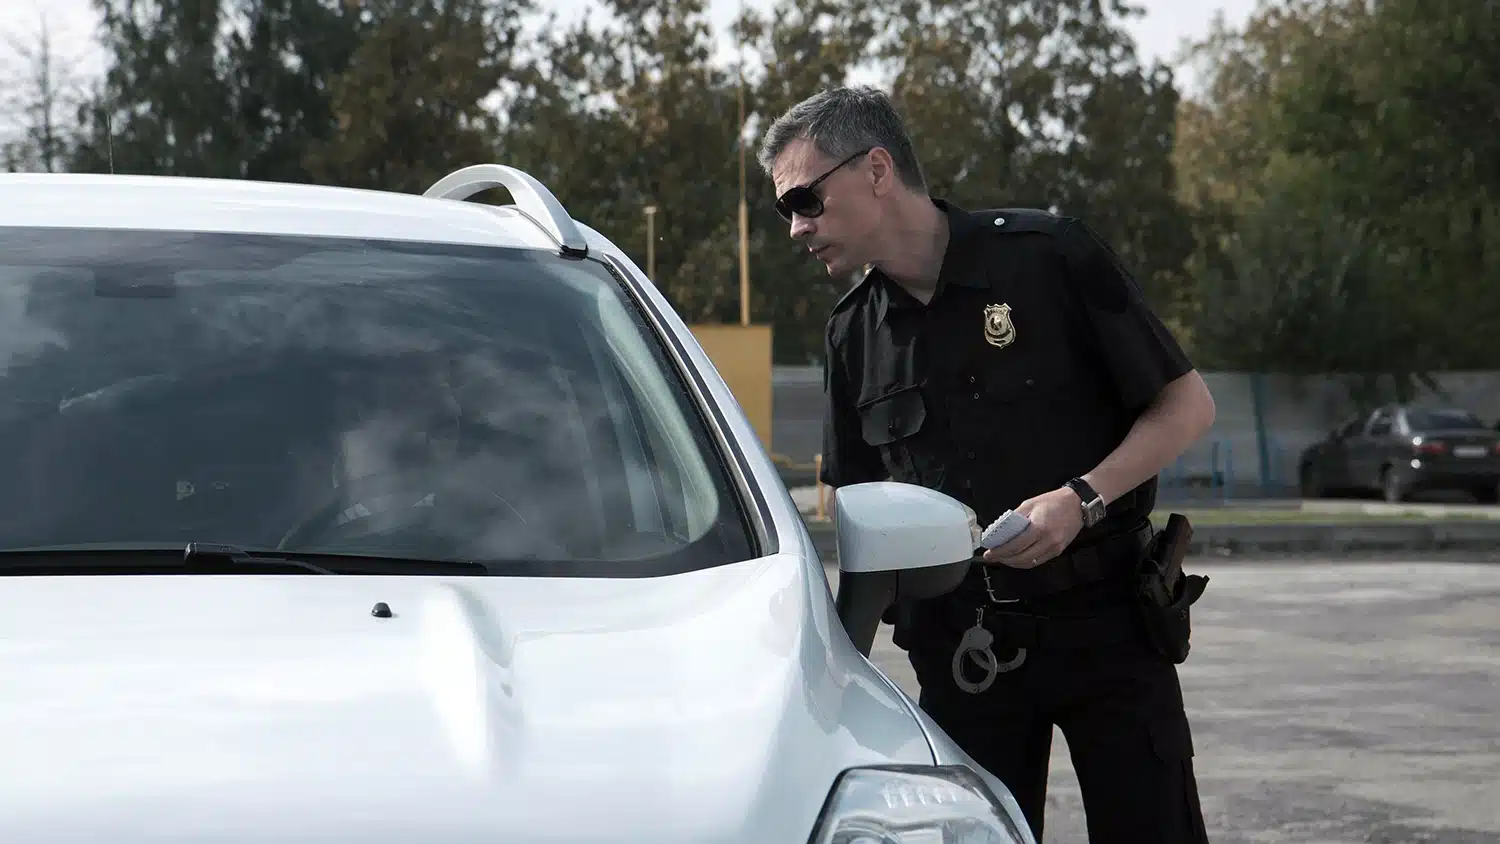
point(443, 510)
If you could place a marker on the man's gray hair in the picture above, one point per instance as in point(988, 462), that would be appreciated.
point(841, 122)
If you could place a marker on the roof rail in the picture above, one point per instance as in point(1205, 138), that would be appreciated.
point(531, 197)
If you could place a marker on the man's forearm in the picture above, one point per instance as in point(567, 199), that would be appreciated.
point(1181, 413)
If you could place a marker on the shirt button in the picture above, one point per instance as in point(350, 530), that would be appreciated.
point(971, 379)
point(976, 396)
point(972, 455)
point(1030, 382)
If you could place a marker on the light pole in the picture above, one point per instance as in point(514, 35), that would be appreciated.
point(651, 242)
point(744, 208)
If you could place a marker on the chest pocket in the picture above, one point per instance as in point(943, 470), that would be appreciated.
point(892, 424)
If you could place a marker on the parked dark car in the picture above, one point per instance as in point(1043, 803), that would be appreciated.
point(1399, 450)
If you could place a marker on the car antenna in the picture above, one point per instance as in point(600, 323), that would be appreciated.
point(109, 138)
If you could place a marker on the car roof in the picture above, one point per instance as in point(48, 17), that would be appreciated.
point(174, 203)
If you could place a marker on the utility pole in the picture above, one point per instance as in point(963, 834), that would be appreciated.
point(651, 242)
point(744, 208)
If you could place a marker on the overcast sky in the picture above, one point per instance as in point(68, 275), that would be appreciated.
point(1159, 33)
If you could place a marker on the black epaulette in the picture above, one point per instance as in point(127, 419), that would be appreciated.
point(1090, 259)
point(1023, 221)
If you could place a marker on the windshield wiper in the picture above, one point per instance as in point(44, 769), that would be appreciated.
point(215, 553)
point(214, 558)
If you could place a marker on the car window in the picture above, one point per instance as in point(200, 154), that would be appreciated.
point(344, 396)
point(1380, 424)
point(1351, 427)
point(1442, 420)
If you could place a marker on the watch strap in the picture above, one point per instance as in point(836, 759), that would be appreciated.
point(1085, 492)
point(1090, 501)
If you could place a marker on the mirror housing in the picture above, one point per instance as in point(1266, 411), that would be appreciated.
point(897, 542)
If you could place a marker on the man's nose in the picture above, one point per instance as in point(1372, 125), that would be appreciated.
point(802, 226)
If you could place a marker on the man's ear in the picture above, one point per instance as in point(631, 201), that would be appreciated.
point(882, 171)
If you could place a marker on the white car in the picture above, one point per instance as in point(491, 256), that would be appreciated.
point(561, 593)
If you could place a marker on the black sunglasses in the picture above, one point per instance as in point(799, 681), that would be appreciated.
point(803, 200)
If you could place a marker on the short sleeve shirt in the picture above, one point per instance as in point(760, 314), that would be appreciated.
point(1026, 368)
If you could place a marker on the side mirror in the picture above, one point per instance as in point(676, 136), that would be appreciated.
point(897, 542)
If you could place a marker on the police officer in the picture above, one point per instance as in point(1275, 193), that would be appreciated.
point(1007, 359)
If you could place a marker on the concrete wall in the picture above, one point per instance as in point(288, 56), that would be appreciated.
point(797, 412)
point(1298, 411)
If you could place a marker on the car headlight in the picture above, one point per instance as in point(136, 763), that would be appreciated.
point(914, 804)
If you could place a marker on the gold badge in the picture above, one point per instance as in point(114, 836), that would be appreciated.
point(999, 331)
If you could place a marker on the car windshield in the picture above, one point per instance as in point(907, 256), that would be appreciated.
point(1442, 420)
point(345, 396)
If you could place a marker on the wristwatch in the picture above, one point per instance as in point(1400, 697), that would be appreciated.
point(1093, 503)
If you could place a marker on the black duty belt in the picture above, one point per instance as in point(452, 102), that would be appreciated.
point(1111, 557)
point(1051, 633)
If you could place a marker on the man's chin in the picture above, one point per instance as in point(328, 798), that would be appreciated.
point(834, 266)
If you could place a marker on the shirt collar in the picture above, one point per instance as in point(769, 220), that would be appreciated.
point(962, 226)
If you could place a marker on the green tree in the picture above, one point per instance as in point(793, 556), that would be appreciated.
point(630, 113)
point(283, 63)
point(1308, 288)
point(1356, 118)
point(799, 47)
point(235, 89)
point(1229, 165)
point(43, 90)
point(1044, 103)
point(1402, 114)
point(411, 106)
point(163, 106)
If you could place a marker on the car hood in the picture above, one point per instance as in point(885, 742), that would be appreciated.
point(713, 706)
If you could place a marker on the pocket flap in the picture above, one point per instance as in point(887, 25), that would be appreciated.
point(893, 416)
point(1171, 739)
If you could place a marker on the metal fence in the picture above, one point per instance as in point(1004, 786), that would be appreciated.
point(1216, 470)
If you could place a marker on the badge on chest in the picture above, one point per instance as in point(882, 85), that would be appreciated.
point(999, 330)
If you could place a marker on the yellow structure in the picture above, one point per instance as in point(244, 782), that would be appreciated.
point(742, 354)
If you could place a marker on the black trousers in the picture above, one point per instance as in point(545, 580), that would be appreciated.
point(1118, 704)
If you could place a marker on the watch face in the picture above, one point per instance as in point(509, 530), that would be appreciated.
point(1093, 512)
point(1093, 505)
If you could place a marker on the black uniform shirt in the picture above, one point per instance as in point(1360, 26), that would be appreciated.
point(1027, 367)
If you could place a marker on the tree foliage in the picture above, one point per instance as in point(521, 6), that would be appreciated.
point(44, 88)
point(1033, 103)
point(1327, 201)
point(1343, 180)
point(410, 103)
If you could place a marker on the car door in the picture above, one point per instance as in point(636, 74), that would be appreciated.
point(1333, 455)
point(1369, 449)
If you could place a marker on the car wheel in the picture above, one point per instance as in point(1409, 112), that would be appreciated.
point(1311, 483)
point(1391, 485)
point(1488, 494)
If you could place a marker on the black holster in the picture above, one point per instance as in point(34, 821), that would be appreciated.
point(1165, 594)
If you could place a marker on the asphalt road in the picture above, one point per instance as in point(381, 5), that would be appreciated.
point(1332, 702)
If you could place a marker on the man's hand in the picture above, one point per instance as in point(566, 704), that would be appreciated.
point(1056, 518)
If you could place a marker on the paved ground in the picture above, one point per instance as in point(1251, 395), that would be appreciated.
point(1332, 703)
